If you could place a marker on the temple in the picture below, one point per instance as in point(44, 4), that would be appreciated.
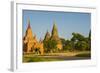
point(31, 45)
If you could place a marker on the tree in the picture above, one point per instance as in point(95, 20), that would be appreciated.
point(68, 45)
point(63, 41)
point(89, 41)
point(90, 35)
point(81, 45)
point(80, 42)
point(77, 37)
point(50, 46)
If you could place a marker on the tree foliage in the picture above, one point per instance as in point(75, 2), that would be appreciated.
point(68, 45)
point(77, 42)
point(80, 42)
point(50, 45)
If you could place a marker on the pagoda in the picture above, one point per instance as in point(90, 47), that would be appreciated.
point(30, 43)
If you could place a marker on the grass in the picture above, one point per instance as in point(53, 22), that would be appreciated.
point(39, 59)
point(30, 57)
point(83, 55)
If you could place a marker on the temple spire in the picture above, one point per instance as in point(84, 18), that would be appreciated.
point(54, 30)
point(29, 23)
point(47, 36)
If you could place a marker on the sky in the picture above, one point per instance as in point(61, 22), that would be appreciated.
point(66, 22)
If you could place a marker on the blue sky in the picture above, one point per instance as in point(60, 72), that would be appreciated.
point(67, 22)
